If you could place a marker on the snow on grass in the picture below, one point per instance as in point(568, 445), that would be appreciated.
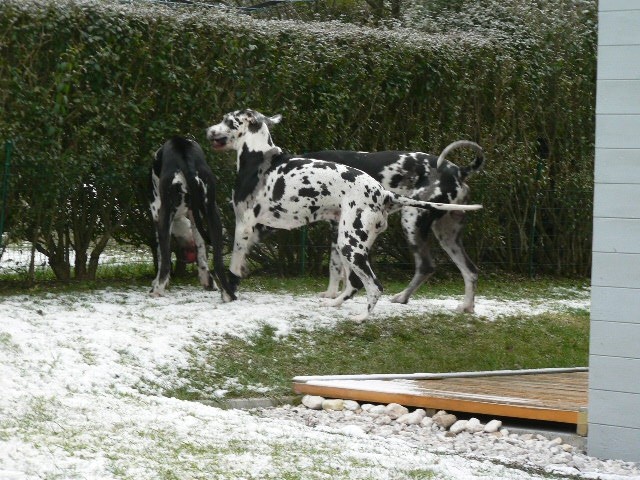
point(81, 373)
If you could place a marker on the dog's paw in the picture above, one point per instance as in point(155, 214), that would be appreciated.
point(462, 308)
point(234, 281)
point(400, 298)
point(359, 318)
point(331, 302)
point(226, 298)
point(328, 294)
point(156, 293)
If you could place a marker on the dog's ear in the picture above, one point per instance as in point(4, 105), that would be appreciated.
point(273, 120)
point(251, 117)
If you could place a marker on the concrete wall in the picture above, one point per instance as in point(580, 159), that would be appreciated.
point(614, 380)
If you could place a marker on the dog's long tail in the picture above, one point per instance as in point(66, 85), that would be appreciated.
point(217, 240)
point(399, 200)
point(207, 198)
point(473, 167)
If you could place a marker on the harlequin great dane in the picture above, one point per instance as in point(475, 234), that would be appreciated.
point(284, 191)
point(182, 201)
point(425, 177)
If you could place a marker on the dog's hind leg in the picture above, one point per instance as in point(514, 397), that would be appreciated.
point(372, 285)
point(337, 273)
point(416, 225)
point(352, 285)
point(204, 275)
point(358, 231)
point(171, 192)
point(163, 230)
point(448, 231)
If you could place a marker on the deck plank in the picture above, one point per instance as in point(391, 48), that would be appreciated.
point(556, 397)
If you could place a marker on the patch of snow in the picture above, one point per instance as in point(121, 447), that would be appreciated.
point(81, 374)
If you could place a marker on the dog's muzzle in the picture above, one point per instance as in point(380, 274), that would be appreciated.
point(216, 138)
point(218, 142)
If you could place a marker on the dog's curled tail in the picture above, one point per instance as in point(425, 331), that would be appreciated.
point(410, 202)
point(477, 163)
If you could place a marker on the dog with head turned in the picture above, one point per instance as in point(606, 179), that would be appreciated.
point(283, 191)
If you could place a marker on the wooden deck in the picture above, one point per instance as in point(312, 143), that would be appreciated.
point(554, 395)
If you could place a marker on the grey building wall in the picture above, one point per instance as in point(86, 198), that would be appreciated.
point(614, 361)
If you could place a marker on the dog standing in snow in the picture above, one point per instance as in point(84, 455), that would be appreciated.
point(183, 201)
point(285, 192)
point(424, 177)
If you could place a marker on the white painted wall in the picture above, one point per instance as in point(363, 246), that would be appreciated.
point(614, 361)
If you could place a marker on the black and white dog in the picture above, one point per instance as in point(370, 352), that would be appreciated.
point(425, 177)
point(182, 199)
point(283, 191)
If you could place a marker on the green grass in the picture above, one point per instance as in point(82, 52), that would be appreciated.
point(264, 364)
point(409, 344)
point(447, 281)
point(492, 285)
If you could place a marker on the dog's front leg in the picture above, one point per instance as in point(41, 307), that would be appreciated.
point(245, 236)
point(242, 243)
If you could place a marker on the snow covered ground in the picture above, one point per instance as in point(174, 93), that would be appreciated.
point(16, 257)
point(80, 382)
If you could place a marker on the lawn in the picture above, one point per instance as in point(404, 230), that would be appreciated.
point(532, 336)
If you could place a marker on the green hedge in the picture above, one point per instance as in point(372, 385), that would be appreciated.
point(90, 89)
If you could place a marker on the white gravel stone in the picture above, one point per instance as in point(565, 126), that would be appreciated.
point(333, 404)
point(492, 426)
point(413, 418)
point(426, 422)
point(377, 410)
point(395, 410)
point(383, 420)
point(353, 431)
point(459, 426)
point(556, 441)
point(314, 402)
point(444, 420)
point(351, 405)
point(474, 425)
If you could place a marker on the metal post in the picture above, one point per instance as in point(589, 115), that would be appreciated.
point(8, 148)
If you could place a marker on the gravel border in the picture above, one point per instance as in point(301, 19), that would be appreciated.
point(530, 449)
